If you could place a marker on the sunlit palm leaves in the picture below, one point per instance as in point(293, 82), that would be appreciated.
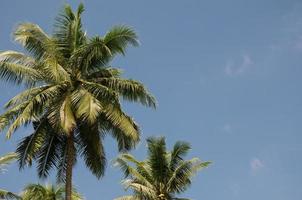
point(71, 93)
point(47, 192)
point(163, 175)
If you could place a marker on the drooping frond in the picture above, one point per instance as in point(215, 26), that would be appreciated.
point(25, 95)
point(124, 141)
point(17, 57)
point(30, 109)
point(130, 90)
point(119, 37)
point(8, 158)
point(123, 122)
point(91, 147)
point(48, 155)
point(17, 68)
point(67, 118)
point(6, 195)
point(28, 147)
point(34, 39)
point(87, 107)
point(62, 162)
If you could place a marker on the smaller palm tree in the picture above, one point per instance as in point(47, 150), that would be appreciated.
point(47, 192)
point(5, 160)
point(163, 175)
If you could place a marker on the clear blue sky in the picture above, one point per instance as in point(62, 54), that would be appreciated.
point(227, 76)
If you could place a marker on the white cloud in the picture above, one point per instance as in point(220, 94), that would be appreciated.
point(256, 164)
point(232, 69)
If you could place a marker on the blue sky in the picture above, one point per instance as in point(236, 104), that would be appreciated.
point(227, 76)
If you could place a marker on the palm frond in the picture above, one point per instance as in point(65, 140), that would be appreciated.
point(119, 37)
point(123, 122)
point(130, 197)
point(91, 148)
point(67, 118)
point(148, 193)
point(157, 158)
point(29, 146)
point(30, 109)
point(122, 162)
point(34, 192)
point(181, 177)
point(180, 150)
point(62, 162)
point(6, 195)
point(35, 40)
point(124, 141)
point(93, 54)
point(130, 90)
point(108, 72)
point(68, 30)
point(18, 73)
point(8, 158)
point(87, 107)
point(25, 95)
point(48, 156)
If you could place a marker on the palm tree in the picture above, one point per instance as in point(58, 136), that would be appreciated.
point(72, 95)
point(162, 175)
point(47, 192)
point(5, 160)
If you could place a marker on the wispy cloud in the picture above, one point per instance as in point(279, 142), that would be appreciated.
point(256, 164)
point(233, 69)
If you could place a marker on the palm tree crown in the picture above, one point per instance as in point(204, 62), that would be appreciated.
point(47, 192)
point(162, 175)
point(72, 95)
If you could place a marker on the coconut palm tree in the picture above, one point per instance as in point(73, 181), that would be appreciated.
point(163, 175)
point(5, 160)
point(47, 192)
point(72, 96)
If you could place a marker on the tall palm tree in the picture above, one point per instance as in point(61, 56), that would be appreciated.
point(47, 192)
point(72, 95)
point(163, 175)
point(5, 160)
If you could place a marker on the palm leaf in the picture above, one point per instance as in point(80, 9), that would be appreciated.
point(119, 37)
point(130, 90)
point(92, 148)
point(9, 195)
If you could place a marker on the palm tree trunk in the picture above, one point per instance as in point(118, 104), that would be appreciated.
point(70, 160)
